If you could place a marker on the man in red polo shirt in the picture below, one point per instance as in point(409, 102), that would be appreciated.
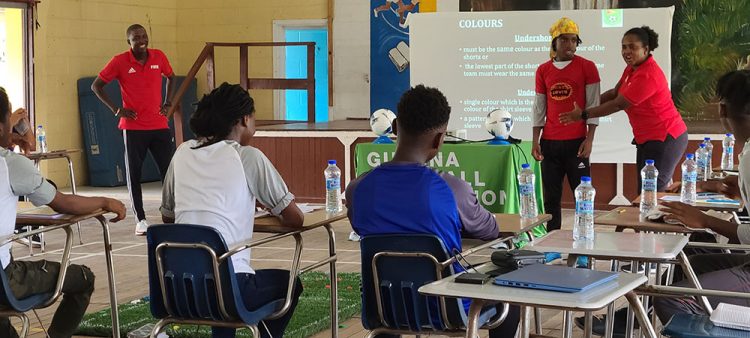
point(561, 83)
point(142, 114)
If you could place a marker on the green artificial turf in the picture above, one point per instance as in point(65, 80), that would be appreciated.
point(311, 316)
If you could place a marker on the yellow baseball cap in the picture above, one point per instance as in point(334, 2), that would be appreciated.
point(563, 26)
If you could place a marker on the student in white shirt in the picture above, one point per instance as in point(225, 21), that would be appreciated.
point(216, 180)
point(729, 272)
point(19, 177)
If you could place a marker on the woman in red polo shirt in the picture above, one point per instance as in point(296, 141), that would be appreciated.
point(658, 130)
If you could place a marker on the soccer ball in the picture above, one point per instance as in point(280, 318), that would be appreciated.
point(499, 123)
point(381, 122)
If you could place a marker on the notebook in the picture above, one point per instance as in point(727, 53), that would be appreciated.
point(731, 316)
point(555, 278)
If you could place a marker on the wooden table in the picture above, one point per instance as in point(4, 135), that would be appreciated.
point(589, 300)
point(630, 217)
point(45, 216)
point(56, 154)
point(514, 225)
point(703, 205)
point(313, 220)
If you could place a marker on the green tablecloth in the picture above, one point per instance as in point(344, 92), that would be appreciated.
point(491, 170)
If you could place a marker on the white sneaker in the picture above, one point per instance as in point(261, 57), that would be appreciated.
point(353, 236)
point(141, 227)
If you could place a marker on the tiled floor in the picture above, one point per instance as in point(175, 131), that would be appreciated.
point(130, 259)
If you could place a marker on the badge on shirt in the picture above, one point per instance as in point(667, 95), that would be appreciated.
point(154, 66)
point(560, 91)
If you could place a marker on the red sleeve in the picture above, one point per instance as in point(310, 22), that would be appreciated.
point(592, 74)
point(165, 67)
point(638, 88)
point(110, 71)
point(541, 88)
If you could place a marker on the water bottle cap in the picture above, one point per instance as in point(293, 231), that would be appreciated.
point(702, 145)
point(706, 139)
point(39, 126)
point(331, 161)
point(525, 166)
point(649, 162)
point(689, 156)
point(729, 134)
point(585, 179)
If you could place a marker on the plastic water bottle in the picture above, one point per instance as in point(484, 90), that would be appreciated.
point(709, 158)
point(649, 175)
point(41, 139)
point(583, 228)
point(526, 189)
point(700, 161)
point(689, 178)
point(727, 154)
point(333, 187)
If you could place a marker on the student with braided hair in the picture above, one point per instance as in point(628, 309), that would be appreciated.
point(216, 180)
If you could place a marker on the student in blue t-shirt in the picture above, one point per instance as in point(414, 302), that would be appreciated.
point(406, 196)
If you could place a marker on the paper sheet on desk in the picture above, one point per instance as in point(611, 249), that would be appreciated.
point(703, 198)
point(306, 208)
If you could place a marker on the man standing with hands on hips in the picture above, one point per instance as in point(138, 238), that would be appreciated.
point(143, 113)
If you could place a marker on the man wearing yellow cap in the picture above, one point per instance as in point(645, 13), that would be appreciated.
point(563, 149)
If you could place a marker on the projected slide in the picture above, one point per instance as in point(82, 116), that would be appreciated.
point(487, 60)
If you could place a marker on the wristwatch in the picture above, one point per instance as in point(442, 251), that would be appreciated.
point(584, 115)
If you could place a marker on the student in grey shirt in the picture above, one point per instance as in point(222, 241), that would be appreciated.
point(19, 177)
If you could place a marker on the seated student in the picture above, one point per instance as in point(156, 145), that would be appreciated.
point(216, 180)
point(403, 195)
point(18, 177)
point(729, 272)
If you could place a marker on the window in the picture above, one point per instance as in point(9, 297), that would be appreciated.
point(16, 51)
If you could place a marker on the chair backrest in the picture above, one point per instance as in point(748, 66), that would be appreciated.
point(186, 286)
point(402, 307)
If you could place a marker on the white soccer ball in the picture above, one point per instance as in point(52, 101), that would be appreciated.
point(499, 123)
point(381, 122)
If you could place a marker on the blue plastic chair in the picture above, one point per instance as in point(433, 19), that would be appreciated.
point(192, 280)
point(10, 306)
point(684, 325)
point(394, 266)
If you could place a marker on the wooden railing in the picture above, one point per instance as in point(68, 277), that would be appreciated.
point(207, 56)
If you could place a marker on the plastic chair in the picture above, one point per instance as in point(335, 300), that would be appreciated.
point(684, 325)
point(192, 280)
point(10, 306)
point(393, 269)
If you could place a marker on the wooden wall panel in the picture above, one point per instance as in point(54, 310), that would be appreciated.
point(301, 162)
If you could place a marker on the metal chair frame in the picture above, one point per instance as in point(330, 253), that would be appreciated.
point(13, 311)
point(218, 260)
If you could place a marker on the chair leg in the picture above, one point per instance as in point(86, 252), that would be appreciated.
point(158, 327)
point(24, 325)
point(255, 330)
point(537, 320)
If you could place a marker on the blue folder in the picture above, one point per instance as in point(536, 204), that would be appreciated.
point(554, 278)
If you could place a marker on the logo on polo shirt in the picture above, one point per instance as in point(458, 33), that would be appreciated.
point(131, 70)
point(154, 66)
point(560, 91)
